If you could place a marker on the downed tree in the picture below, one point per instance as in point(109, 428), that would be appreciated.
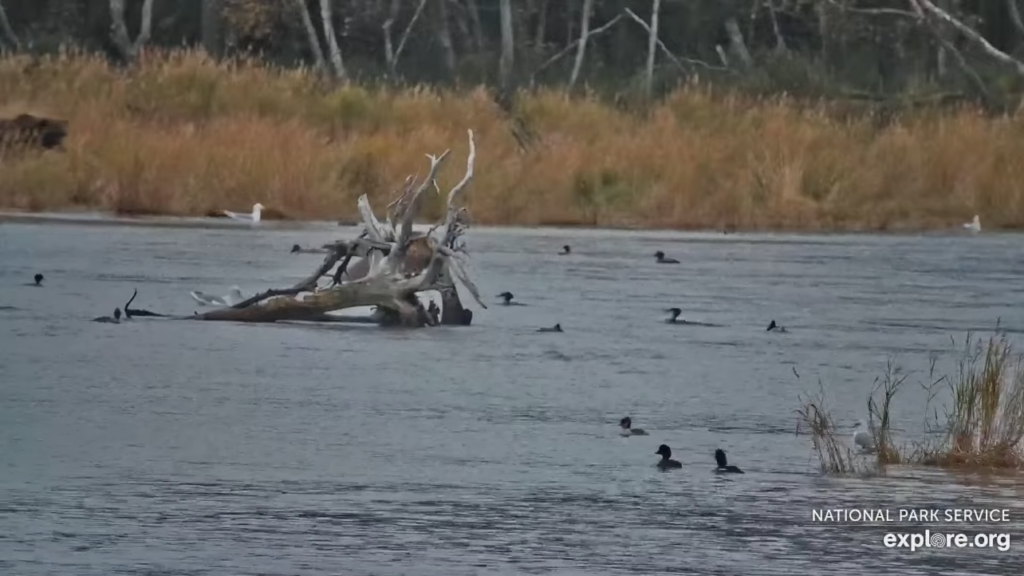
point(400, 264)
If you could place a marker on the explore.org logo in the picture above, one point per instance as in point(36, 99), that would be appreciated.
point(931, 539)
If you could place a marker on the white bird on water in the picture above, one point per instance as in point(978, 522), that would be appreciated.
point(973, 226)
point(863, 439)
point(257, 209)
point(234, 296)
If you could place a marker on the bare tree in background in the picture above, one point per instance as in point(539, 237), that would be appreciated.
point(333, 49)
point(581, 48)
point(506, 59)
point(130, 49)
point(314, 40)
point(936, 17)
point(652, 49)
point(392, 54)
point(7, 35)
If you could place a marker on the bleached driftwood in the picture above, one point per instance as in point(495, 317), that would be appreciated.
point(400, 264)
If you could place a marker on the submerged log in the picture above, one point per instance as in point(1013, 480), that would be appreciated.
point(395, 265)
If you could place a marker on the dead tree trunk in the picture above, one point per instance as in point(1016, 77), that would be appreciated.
point(128, 48)
point(736, 42)
point(400, 265)
point(652, 49)
point(506, 59)
point(581, 48)
point(314, 40)
point(7, 35)
point(333, 49)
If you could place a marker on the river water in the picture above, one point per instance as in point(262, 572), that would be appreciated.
point(165, 447)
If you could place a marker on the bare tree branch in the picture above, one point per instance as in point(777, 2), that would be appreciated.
point(588, 7)
point(561, 53)
point(678, 61)
point(977, 39)
point(119, 29)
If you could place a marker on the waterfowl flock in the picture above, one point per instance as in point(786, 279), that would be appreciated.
point(666, 462)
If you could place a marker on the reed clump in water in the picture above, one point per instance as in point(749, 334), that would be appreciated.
point(982, 425)
point(182, 134)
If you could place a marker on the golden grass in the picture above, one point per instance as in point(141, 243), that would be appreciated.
point(982, 426)
point(182, 134)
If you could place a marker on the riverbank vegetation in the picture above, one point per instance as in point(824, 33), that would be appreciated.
point(718, 115)
point(981, 427)
point(182, 134)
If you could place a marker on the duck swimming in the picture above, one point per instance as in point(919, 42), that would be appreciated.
point(115, 320)
point(508, 296)
point(674, 319)
point(39, 279)
point(555, 328)
point(666, 461)
point(661, 259)
point(775, 327)
point(723, 464)
point(565, 250)
point(626, 429)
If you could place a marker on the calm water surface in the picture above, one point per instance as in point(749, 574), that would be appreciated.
point(179, 448)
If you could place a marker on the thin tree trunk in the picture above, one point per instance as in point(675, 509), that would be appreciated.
point(739, 47)
point(444, 36)
point(780, 40)
point(581, 48)
point(392, 55)
point(5, 29)
point(130, 49)
point(652, 49)
point(314, 40)
point(332, 41)
point(507, 58)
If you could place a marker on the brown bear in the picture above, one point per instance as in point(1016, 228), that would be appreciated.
point(26, 131)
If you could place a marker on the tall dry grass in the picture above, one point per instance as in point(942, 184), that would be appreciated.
point(182, 134)
point(982, 426)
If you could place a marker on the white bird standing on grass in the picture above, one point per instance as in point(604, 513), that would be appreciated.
point(257, 209)
point(863, 439)
point(234, 296)
point(974, 226)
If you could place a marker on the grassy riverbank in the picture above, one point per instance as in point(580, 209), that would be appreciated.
point(183, 135)
point(981, 427)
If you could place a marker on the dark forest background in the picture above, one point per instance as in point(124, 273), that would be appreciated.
point(874, 49)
